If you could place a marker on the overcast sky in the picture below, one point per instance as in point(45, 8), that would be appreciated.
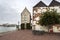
point(10, 10)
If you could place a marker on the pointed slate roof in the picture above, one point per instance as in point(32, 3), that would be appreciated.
point(25, 11)
point(40, 4)
point(54, 3)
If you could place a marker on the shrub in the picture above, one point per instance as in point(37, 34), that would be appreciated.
point(36, 32)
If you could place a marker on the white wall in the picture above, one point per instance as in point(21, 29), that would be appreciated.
point(55, 29)
point(40, 10)
point(43, 9)
point(38, 27)
point(25, 17)
point(56, 8)
point(41, 28)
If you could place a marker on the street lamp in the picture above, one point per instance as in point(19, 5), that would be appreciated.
point(18, 25)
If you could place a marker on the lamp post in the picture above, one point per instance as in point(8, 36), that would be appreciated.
point(18, 25)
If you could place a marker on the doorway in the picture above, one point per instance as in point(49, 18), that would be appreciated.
point(26, 26)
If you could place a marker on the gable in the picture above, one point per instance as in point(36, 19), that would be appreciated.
point(40, 4)
point(25, 11)
point(54, 3)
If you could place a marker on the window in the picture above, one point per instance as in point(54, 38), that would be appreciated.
point(25, 17)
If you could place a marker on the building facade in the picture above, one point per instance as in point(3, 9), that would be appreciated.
point(38, 10)
point(25, 17)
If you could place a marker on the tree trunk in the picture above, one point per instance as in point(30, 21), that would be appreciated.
point(49, 27)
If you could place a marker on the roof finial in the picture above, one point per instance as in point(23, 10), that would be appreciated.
point(53, 0)
point(40, 0)
point(25, 7)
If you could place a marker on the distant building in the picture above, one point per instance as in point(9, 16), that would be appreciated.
point(25, 17)
point(38, 10)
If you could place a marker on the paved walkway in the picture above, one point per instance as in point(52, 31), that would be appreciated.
point(27, 35)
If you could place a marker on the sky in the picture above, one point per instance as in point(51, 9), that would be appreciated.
point(10, 10)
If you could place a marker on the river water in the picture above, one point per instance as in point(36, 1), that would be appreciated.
point(6, 29)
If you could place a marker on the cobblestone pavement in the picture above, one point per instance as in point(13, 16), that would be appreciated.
point(27, 35)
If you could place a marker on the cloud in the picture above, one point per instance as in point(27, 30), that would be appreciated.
point(8, 14)
point(10, 10)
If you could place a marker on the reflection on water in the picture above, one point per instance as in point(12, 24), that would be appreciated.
point(6, 29)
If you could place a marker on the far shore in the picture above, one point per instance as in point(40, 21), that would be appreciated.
point(7, 26)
